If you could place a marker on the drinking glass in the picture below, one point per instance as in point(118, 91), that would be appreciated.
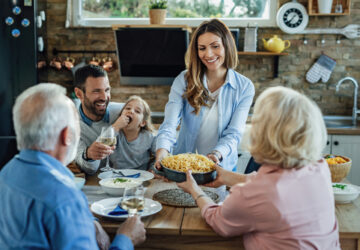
point(133, 200)
point(108, 138)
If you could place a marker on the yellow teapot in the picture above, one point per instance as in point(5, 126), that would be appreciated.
point(275, 44)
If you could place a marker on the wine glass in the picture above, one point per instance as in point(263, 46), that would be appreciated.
point(133, 200)
point(108, 138)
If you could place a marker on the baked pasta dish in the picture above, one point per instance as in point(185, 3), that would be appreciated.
point(182, 162)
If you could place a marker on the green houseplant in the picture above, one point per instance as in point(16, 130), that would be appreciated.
point(158, 4)
point(157, 11)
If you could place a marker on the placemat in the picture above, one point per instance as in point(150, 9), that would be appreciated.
point(178, 198)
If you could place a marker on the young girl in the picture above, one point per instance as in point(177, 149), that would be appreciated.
point(135, 141)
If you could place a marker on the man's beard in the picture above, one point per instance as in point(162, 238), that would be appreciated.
point(91, 107)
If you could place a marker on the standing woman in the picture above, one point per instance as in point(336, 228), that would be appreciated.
point(210, 99)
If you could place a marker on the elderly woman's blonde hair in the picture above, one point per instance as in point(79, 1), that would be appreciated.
point(287, 129)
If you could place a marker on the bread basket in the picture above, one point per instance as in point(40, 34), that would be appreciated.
point(341, 170)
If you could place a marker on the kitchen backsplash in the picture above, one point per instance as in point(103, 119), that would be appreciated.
point(292, 68)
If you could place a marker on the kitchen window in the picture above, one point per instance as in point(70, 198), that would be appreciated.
point(235, 13)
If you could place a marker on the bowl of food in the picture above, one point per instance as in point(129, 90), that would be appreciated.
point(79, 182)
point(174, 167)
point(116, 186)
point(339, 166)
point(344, 192)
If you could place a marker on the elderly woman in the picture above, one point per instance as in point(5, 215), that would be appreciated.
point(289, 203)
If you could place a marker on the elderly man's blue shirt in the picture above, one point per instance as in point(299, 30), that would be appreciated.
point(42, 208)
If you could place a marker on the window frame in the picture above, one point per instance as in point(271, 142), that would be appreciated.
point(78, 21)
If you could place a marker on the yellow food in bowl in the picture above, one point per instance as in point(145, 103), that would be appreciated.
point(335, 160)
point(183, 162)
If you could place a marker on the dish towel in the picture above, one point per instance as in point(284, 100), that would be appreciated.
point(321, 69)
point(118, 211)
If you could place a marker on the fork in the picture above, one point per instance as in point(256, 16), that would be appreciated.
point(117, 171)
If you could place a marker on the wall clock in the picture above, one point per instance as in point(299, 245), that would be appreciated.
point(292, 17)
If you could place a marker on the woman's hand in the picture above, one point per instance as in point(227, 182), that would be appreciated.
point(190, 185)
point(213, 158)
point(224, 177)
point(160, 154)
point(220, 175)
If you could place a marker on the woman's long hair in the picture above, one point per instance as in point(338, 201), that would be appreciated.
point(196, 93)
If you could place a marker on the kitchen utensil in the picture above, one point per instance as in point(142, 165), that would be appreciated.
point(95, 61)
point(69, 63)
point(56, 63)
point(178, 176)
point(350, 31)
point(276, 44)
point(338, 7)
point(108, 64)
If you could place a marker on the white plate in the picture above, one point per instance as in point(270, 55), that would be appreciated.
point(347, 195)
point(103, 207)
point(144, 175)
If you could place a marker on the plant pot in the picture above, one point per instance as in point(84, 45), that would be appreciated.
point(157, 16)
point(325, 6)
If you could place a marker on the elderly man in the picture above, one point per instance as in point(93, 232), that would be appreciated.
point(40, 205)
point(93, 89)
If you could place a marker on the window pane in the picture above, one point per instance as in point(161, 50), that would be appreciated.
point(177, 8)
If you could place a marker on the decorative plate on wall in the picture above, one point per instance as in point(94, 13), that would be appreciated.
point(292, 17)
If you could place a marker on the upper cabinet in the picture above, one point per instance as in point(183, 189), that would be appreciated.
point(336, 4)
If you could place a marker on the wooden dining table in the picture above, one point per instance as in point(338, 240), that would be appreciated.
point(184, 228)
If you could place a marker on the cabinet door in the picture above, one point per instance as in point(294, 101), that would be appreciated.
point(327, 149)
point(349, 145)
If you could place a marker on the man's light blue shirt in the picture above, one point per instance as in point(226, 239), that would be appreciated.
point(234, 101)
point(42, 208)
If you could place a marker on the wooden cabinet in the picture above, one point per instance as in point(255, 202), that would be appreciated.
point(349, 146)
point(313, 8)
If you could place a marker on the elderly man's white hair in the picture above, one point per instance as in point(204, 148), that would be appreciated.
point(40, 113)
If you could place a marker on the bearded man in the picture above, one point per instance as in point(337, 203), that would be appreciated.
point(96, 111)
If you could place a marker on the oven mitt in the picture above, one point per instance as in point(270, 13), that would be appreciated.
point(321, 69)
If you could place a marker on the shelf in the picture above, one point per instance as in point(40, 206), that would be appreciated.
point(313, 8)
point(262, 53)
point(118, 26)
point(265, 53)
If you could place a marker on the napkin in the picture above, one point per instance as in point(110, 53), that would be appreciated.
point(133, 175)
point(118, 211)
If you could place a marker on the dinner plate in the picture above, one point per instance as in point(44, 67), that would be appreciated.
point(346, 194)
point(103, 207)
point(144, 175)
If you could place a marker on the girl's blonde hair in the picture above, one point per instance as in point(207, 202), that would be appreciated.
point(287, 129)
point(147, 112)
point(196, 93)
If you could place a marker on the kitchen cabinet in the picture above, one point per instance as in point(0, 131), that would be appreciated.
point(349, 146)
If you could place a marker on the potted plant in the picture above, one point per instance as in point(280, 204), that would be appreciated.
point(157, 11)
